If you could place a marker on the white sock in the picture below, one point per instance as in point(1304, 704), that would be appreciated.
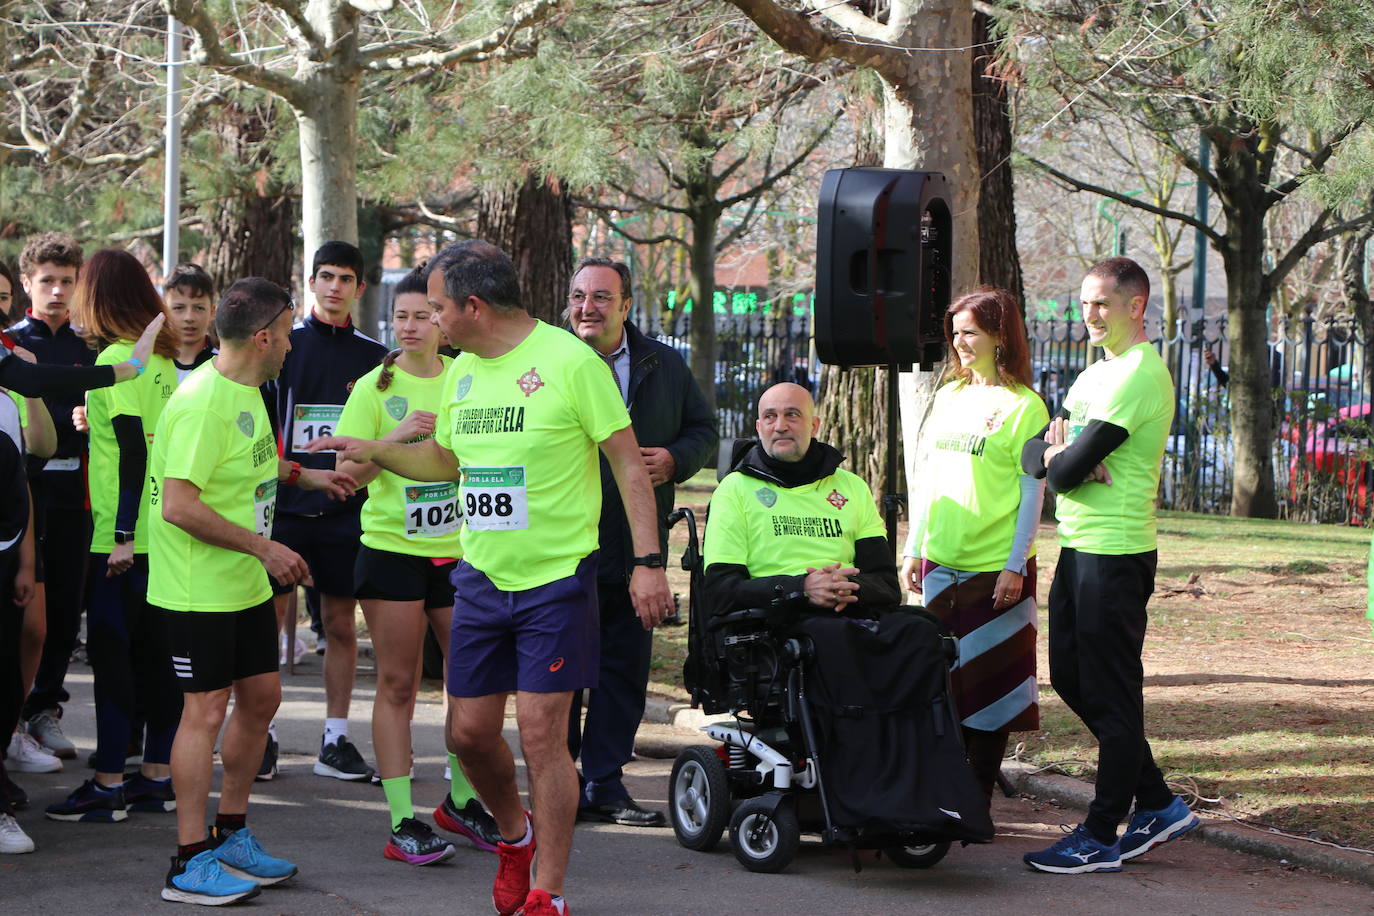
point(334, 729)
point(557, 901)
point(272, 729)
point(527, 838)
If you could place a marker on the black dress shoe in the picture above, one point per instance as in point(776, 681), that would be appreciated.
point(626, 813)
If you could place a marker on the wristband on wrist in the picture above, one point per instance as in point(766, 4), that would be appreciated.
point(295, 474)
point(138, 365)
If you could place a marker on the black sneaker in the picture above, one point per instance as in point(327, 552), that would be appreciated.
point(472, 821)
point(91, 802)
point(13, 792)
point(144, 794)
point(415, 844)
point(268, 770)
point(341, 760)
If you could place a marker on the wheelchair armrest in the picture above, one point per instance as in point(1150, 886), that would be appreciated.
point(747, 615)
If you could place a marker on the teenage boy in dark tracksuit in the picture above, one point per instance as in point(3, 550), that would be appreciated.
point(327, 355)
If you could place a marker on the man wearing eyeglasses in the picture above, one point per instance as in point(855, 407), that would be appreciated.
point(676, 430)
point(327, 355)
point(214, 483)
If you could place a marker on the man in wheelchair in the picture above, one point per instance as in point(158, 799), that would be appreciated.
point(790, 530)
point(843, 724)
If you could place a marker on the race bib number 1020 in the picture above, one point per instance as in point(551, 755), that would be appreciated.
point(494, 499)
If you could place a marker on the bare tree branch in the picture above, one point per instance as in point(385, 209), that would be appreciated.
point(496, 43)
point(211, 53)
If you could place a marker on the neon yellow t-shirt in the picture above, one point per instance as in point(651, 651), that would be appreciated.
point(144, 397)
point(525, 427)
point(215, 434)
point(401, 515)
point(1133, 391)
point(970, 488)
point(780, 531)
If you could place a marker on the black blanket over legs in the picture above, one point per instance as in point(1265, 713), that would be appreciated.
point(890, 751)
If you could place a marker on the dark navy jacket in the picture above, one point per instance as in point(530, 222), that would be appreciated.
point(61, 489)
point(667, 410)
point(324, 362)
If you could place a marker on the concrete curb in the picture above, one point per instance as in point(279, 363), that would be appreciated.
point(1058, 789)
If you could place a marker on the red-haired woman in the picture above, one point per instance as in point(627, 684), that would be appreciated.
point(127, 646)
point(973, 523)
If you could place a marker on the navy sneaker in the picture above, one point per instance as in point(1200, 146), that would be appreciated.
point(144, 794)
point(341, 760)
point(242, 855)
point(91, 802)
point(1148, 829)
point(1077, 852)
point(205, 881)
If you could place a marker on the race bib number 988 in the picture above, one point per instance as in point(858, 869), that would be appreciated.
point(264, 507)
point(494, 499)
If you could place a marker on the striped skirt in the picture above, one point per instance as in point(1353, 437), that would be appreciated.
point(994, 678)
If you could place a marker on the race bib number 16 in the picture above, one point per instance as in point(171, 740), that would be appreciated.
point(494, 499)
point(313, 421)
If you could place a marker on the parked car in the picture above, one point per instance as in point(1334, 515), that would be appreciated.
point(1335, 458)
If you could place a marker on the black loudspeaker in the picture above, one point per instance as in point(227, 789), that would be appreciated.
point(882, 267)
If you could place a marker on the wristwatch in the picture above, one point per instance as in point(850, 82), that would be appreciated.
point(651, 560)
point(295, 474)
point(123, 537)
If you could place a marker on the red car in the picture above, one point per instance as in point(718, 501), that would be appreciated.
point(1337, 453)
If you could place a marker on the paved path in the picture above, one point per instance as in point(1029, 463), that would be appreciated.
point(335, 832)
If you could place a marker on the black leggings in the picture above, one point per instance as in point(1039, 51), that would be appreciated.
point(126, 641)
point(11, 681)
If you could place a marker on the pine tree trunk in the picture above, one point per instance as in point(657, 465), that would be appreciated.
point(998, 262)
point(532, 222)
point(252, 232)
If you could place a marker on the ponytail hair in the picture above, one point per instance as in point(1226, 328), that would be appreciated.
point(384, 378)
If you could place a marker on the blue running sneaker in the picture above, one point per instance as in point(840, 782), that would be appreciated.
point(91, 803)
point(1076, 853)
point(241, 854)
point(204, 881)
point(1148, 829)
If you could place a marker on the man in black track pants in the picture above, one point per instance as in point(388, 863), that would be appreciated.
point(1102, 456)
point(48, 269)
point(327, 355)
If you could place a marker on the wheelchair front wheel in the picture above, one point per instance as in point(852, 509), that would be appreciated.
point(699, 798)
point(917, 856)
point(765, 835)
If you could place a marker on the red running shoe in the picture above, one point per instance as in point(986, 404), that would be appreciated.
point(512, 886)
point(539, 903)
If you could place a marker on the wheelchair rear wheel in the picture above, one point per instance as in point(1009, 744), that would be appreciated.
point(699, 798)
point(917, 856)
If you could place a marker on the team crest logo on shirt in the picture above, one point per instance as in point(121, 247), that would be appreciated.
point(260, 493)
point(530, 382)
point(246, 424)
point(994, 421)
point(395, 407)
point(836, 499)
point(766, 496)
point(464, 386)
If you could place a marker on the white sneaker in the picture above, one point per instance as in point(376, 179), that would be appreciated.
point(44, 728)
point(25, 756)
point(13, 839)
point(297, 654)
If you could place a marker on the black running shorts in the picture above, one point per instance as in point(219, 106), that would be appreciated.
point(328, 544)
point(212, 649)
point(388, 576)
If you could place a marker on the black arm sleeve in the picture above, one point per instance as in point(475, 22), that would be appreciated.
point(877, 576)
point(1033, 452)
point(133, 467)
point(39, 380)
point(1072, 466)
point(729, 588)
point(1221, 375)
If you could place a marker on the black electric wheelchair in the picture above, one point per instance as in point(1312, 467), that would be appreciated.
point(840, 728)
